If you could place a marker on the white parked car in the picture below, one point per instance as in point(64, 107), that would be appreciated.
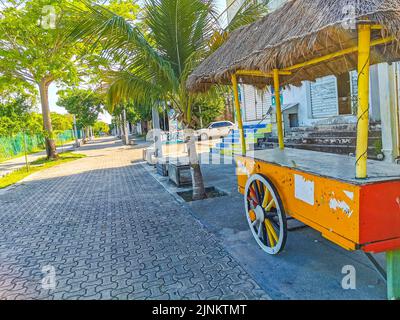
point(218, 129)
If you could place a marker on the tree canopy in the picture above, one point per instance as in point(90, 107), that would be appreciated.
point(101, 127)
point(35, 51)
point(86, 105)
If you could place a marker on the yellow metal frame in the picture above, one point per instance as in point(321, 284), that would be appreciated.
point(239, 113)
point(363, 48)
point(279, 122)
point(256, 73)
point(364, 52)
point(338, 54)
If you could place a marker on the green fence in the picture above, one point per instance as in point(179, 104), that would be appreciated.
point(14, 146)
point(64, 137)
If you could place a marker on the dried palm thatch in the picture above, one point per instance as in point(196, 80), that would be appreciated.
point(297, 32)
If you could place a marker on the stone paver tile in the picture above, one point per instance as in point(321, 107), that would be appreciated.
point(110, 231)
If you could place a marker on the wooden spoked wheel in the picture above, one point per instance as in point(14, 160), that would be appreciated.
point(265, 214)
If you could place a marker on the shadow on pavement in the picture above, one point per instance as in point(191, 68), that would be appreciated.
point(309, 268)
point(111, 233)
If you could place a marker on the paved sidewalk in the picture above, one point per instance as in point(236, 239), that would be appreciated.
point(108, 230)
point(11, 165)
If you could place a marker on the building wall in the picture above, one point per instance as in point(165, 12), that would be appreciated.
point(388, 87)
point(397, 116)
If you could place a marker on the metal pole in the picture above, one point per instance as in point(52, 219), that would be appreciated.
point(26, 153)
point(364, 50)
point(201, 117)
point(124, 124)
point(62, 143)
point(157, 131)
point(164, 116)
point(278, 109)
point(239, 114)
point(397, 104)
point(76, 132)
point(393, 274)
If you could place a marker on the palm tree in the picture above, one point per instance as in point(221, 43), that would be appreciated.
point(153, 58)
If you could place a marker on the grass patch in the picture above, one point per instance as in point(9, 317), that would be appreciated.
point(19, 155)
point(35, 150)
point(37, 165)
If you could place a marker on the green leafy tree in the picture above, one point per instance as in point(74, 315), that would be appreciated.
point(101, 127)
point(134, 113)
point(207, 108)
point(35, 50)
point(86, 105)
point(61, 122)
point(15, 113)
point(34, 124)
point(155, 57)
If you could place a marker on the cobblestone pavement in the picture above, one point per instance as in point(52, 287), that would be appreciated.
point(109, 231)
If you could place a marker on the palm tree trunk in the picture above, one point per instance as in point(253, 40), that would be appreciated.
point(51, 150)
point(199, 191)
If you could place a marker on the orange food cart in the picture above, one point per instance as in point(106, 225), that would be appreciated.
point(352, 201)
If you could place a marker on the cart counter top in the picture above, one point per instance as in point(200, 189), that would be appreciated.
point(339, 167)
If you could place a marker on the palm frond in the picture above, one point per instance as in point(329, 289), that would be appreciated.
point(127, 87)
point(248, 12)
point(178, 28)
point(117, 38)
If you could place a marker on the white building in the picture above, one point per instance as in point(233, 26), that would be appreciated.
point(330, 100)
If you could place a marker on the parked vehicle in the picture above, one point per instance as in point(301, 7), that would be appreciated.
point(218, 129)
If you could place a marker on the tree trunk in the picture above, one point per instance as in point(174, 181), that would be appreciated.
point(87, 134)
point(51, 150)
point(199, 191)
point(125, 128)
point(121, 128)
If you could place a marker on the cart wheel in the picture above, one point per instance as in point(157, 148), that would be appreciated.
point(265, 214)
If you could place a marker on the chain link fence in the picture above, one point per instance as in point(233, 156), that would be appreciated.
point(11, 147)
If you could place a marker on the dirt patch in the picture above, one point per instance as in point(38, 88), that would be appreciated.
point(211, 192)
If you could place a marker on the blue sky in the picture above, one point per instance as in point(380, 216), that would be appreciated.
point(106, 117)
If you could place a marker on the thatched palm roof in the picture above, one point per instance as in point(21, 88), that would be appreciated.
point(296, 32)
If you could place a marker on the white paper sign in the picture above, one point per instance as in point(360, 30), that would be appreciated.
point(304, 189)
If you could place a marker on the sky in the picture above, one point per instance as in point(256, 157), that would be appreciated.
point(103, 117)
